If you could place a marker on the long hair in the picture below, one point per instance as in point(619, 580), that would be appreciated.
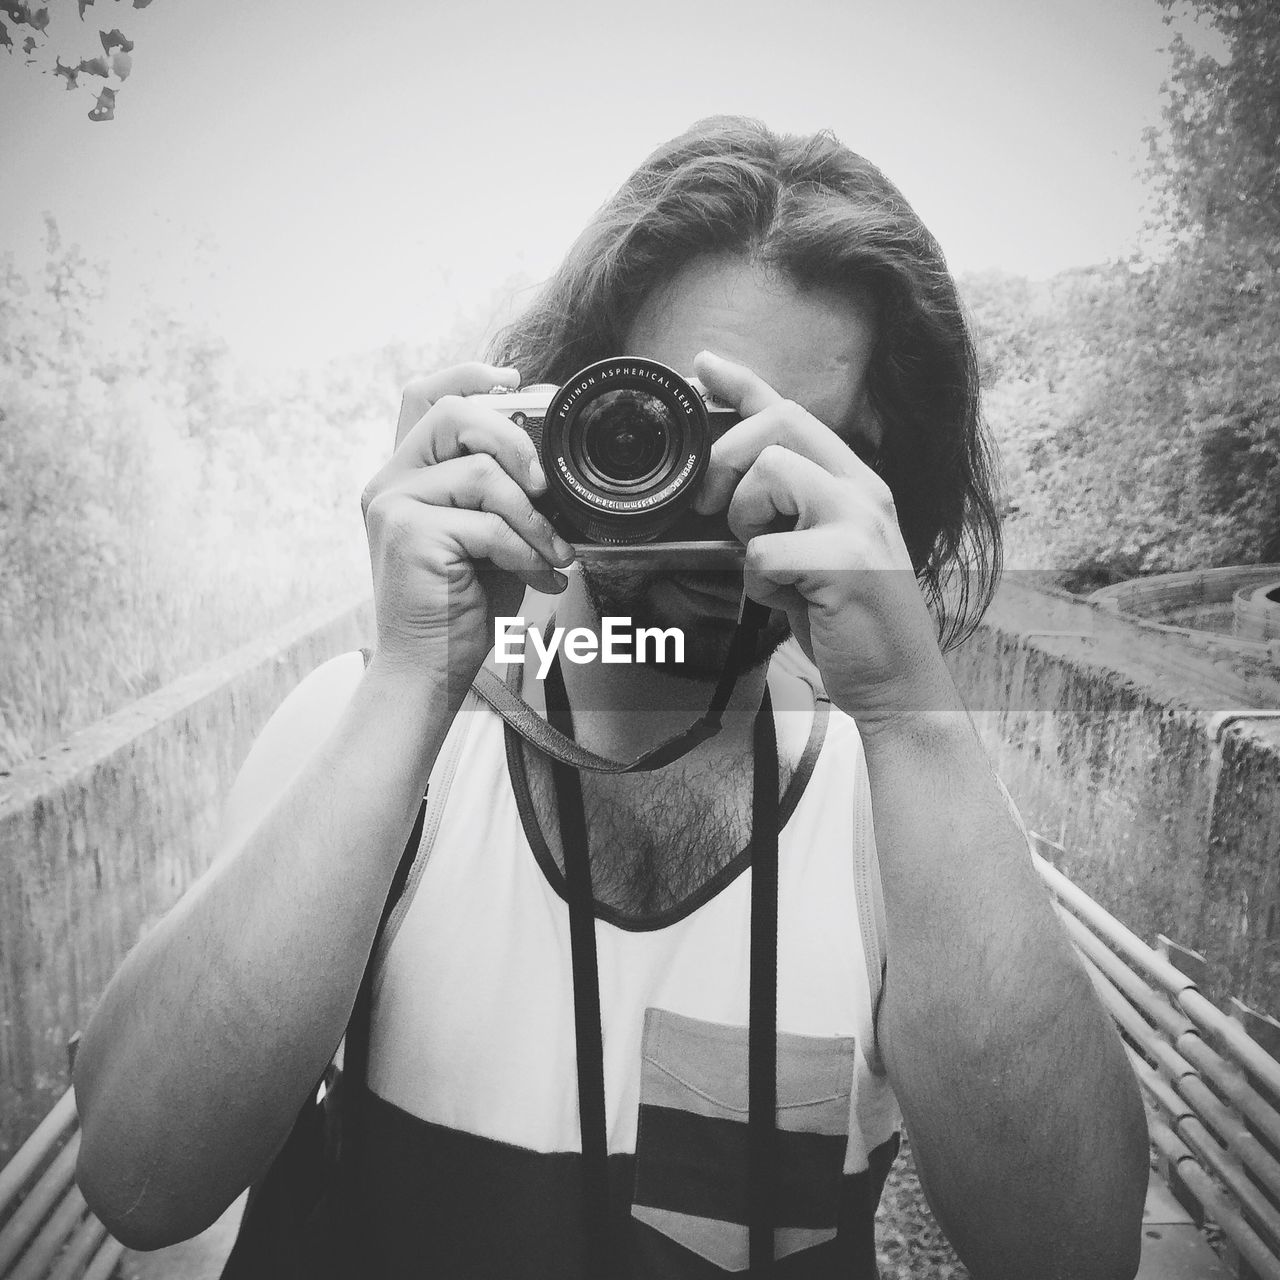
point(819, 214)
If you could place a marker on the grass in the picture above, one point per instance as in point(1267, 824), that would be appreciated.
point(909, 1243)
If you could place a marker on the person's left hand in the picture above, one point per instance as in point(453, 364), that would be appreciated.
point(839, 567)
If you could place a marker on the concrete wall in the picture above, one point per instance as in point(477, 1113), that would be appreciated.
point(1107, 734)
point(101, 835)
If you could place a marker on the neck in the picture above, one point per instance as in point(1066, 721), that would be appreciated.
point(623, 710)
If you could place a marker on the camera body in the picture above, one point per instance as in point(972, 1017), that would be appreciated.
point(624, 445)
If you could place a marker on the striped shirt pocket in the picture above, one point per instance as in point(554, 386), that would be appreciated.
point(691, 1144)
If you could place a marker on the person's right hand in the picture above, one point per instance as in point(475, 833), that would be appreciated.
point(453, 535)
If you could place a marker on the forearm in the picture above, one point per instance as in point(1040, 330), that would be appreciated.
point(1021, 1106)
point(209, 1037)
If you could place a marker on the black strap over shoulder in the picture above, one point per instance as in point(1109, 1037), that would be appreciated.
point(586, 990)
point(763, 995)
point(355, 1053)
point(762, 1029)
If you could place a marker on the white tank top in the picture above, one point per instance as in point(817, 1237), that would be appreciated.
point(473, 1023)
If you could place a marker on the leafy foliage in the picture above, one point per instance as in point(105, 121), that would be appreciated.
point(1138, 405)
point(1214, 161)
point(115, 60)
point(156, 508)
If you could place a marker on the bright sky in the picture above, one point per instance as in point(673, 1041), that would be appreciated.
point(315, 178)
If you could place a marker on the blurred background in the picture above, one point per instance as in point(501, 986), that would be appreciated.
point(211, 292)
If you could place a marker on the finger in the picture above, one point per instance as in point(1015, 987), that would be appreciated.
point(449, 544)
point(460, 380)
point(804, 573)
point(773, 595)
point(456, 426)
point(477, 482)
point(829, 572)
point(782, 423)
point(779, 571)
point(487, 537)
point(798, 558)
point(785, 488)
point(734, 383)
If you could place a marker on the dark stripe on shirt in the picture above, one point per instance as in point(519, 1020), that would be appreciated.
point(698, 1164)
point(436, 1202)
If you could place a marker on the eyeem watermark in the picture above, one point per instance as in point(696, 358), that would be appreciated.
point(618, 641)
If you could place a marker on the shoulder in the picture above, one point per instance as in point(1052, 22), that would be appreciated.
point(298, 726)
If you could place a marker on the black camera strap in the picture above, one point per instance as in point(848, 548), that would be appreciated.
point(586, 990)
point(752, 617)
point(763, 992)
point(762, 1015)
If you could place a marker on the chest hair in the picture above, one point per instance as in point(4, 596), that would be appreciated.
point(654, 839)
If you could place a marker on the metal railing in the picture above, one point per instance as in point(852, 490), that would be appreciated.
point(46, 1228)
point(1212, 1088)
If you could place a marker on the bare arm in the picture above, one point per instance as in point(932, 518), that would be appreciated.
point(1022, 1109)
point(206, 1042)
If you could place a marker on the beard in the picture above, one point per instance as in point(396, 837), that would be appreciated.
point(707, 635)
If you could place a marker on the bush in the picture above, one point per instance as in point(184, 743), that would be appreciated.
point(1138, 412)
point(156, 510)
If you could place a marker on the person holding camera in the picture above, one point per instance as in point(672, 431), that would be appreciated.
point(664, 1019)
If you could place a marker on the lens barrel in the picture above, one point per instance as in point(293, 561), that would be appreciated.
point(624, 445)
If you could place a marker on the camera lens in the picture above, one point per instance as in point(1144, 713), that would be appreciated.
point(625, 443)
point(626, 437)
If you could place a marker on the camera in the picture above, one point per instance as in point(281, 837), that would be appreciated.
point(624, 445)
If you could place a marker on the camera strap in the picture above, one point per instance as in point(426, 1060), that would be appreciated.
point(601, 1256)
point(504, 699)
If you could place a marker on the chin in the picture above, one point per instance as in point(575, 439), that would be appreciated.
point(704, 606)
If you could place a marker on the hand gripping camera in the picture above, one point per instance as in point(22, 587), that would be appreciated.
point(624, 445)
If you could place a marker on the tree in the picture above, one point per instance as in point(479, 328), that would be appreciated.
point(1143, 417)
point(1214, 161)
point(30, 29)
point(1216, 168)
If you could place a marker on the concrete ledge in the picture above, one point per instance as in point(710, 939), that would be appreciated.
point(101, 835)
point(1109, 734)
